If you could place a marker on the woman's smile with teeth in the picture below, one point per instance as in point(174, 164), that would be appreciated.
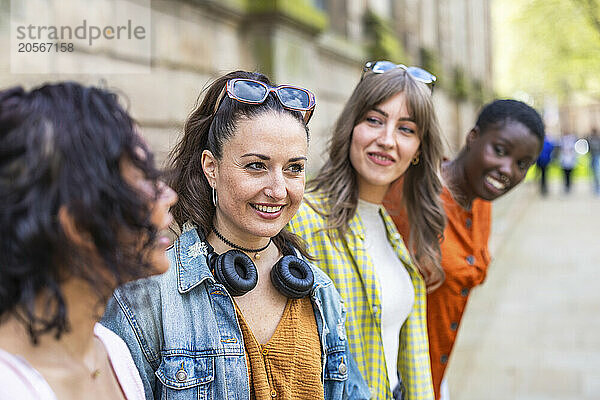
point(380, 157)
point(495, 183)
point(267, 209)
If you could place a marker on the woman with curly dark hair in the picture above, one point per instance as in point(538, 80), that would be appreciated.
point(82, 211)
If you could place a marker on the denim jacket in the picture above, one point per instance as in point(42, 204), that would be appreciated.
point(183, 333)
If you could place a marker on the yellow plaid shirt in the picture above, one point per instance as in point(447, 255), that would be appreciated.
point(351, 269)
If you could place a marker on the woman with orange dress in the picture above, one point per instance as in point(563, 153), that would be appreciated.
point(505, 141)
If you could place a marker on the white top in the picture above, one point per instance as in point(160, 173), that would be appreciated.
point(568, 156)
point(397, 292)
point(19, 380)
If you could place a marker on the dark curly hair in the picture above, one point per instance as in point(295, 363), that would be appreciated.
point(60, 148)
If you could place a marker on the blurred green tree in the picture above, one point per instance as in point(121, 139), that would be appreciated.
point(547, 47)
point(590, 8)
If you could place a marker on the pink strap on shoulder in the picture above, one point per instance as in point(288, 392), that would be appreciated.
point(122, 363)
point(19, 380)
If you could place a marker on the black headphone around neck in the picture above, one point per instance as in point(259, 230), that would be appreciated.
point(291, 275)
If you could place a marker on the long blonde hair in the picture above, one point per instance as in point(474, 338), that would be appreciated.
point(337, 179)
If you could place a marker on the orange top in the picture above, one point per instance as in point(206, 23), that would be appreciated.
point(289, 365)
point(465, 258)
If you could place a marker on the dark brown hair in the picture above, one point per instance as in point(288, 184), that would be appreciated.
point(206, 129)
point(61, 146)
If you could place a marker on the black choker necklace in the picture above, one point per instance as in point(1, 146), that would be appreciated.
point(235, 246)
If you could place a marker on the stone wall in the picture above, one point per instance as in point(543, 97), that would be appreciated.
point(297, 41)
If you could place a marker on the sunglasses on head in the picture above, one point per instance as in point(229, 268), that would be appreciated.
point(418, 74)
point(250, 91)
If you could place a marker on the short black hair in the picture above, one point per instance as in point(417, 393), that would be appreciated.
point(499, 112)
point(61, 145)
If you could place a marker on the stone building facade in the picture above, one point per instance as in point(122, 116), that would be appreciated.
point(318, 44)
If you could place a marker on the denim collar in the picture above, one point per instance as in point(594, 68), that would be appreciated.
point(190, 257)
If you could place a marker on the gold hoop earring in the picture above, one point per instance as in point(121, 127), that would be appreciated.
point(415, 160)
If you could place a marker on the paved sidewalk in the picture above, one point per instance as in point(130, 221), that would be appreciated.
point(532, 331)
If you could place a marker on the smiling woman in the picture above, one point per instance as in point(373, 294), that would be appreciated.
point(381, 151)
point(240, 313)
point(259, 181)
point(386, 132)
point(500, 148)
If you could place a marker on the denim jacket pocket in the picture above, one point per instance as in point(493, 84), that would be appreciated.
point(185, 377)
point(336, 368)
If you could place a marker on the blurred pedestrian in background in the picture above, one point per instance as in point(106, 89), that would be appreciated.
point(594, 146)
point(567, 158)
point(388, 129)
point(505, 141)
point(543, 162)
point(82, 212)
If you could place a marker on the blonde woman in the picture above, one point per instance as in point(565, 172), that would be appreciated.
point(387, 131)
